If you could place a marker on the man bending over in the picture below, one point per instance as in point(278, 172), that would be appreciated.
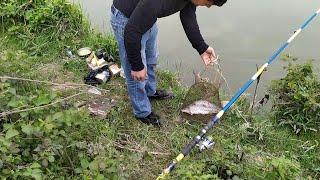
point(134, 25)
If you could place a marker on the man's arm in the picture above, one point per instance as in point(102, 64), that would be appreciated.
point(140, 21)
point(190, 25)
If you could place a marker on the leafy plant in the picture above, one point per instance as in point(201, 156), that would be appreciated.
point(53, 143)
point(39, 16)
point(40, 25)
point(296, 98)
point(283, 168)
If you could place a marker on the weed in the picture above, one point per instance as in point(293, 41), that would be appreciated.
point(296, 98)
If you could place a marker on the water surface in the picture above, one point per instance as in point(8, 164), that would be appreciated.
point(243, 33)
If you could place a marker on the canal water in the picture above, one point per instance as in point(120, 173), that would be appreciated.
point(243, 33)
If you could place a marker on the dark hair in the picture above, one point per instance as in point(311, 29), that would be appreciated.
point(219, 2)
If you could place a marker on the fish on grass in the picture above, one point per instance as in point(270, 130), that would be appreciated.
point(201, 107)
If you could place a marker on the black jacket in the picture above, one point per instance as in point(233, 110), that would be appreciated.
point(143, 14)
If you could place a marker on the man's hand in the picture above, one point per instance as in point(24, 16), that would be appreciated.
point(209, 56)
point(139, 75)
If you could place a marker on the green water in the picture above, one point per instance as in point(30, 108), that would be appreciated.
point(243, 33)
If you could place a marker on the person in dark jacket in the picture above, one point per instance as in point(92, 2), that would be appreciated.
point(134, 25)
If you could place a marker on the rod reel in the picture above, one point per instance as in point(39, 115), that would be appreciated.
point(206, 143)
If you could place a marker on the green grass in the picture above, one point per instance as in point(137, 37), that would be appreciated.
point(67, 142)
point(248, 150)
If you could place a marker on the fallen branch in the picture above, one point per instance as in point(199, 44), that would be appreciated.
point(51, 83)
point(138, 150)
point(3, 114)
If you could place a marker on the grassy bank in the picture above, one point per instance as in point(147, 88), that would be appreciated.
point(64, 141)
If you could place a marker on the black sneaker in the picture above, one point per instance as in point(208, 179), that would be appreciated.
point(152, 118)
point(161, 94)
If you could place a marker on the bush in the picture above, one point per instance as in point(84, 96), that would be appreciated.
point(296, 97)
point(51, 143)
point(60, 141)
point(38, 16)
point(40, 26)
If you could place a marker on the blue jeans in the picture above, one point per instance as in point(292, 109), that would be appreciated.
point(138, 90)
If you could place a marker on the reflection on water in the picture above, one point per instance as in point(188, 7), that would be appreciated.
point(243, 33)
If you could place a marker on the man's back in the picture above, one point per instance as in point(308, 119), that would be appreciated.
point(126, 6)
point(163, 7)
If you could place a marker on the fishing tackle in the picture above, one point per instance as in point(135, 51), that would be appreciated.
point(69, 52)
point(98, 76)
point(206, 143)
point(216, 118)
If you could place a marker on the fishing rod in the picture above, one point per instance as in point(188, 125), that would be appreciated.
point(216, 118)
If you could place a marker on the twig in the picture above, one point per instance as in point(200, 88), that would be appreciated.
point(71, 163)
point(2, 23)
point(40, 107)
point(17, 108)
point(219, 69)
point(138, 150)
point(255, 94)
point(69, 159)
point(52, 83)
point(158, 144)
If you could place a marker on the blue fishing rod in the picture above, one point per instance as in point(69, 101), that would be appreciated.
point(216, 118)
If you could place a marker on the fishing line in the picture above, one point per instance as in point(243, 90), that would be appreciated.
point(219, 69)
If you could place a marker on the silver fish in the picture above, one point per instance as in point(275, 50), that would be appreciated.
point(201, 107)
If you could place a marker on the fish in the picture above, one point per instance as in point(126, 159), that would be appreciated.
point(201, 107)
